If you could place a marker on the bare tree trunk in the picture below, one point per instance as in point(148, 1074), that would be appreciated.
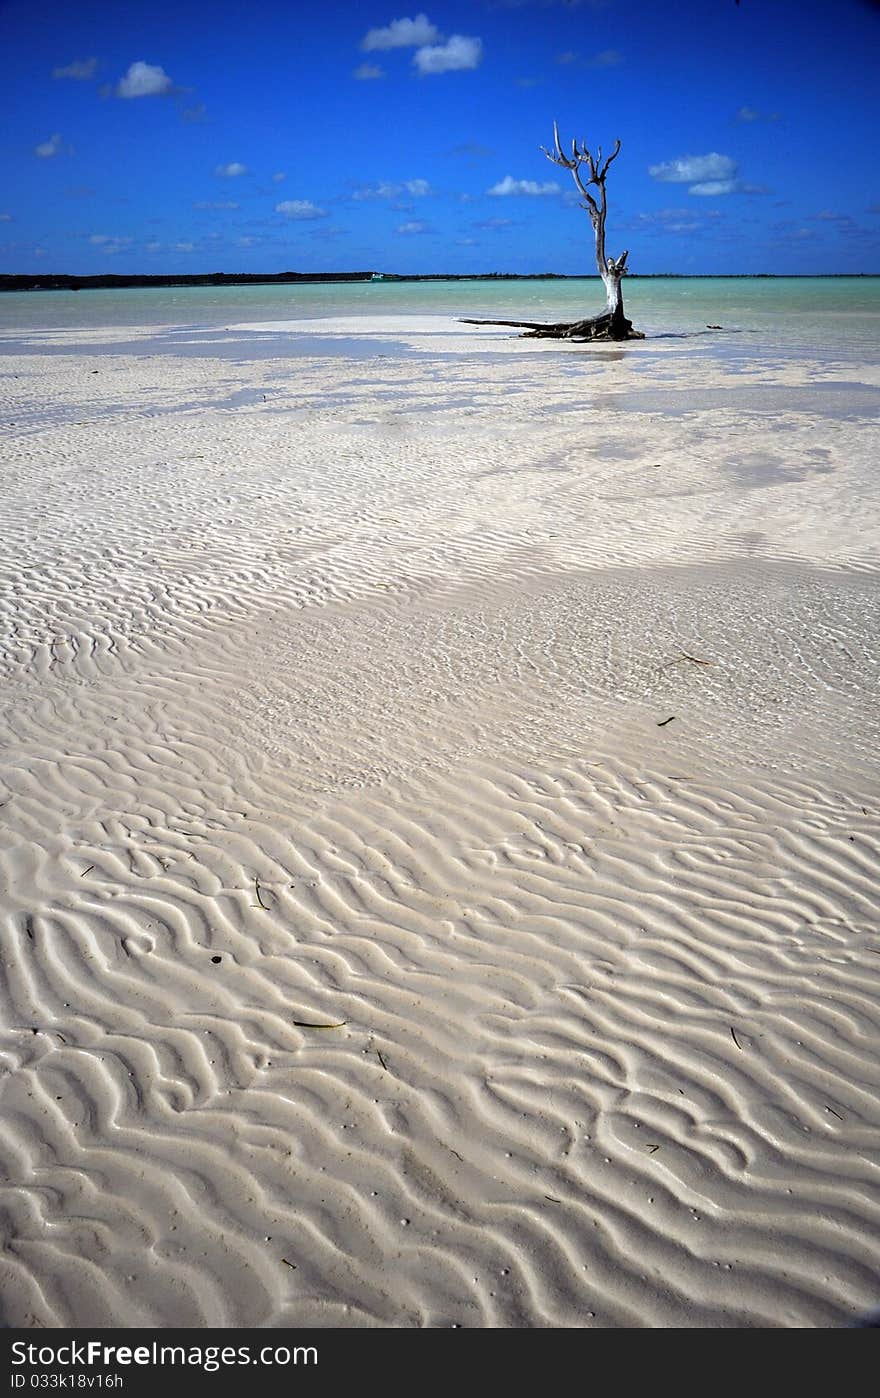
point(619, 328)
point(611, 324)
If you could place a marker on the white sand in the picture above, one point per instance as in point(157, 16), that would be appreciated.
point(350, 671)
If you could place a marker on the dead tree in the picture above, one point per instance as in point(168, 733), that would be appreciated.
point(611, 324)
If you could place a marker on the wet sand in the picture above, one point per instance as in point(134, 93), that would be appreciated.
point(438, 830)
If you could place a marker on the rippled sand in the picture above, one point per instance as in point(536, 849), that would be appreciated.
point(438, 831)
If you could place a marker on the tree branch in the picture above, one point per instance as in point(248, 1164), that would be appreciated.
point(591, 203)
point(611, 157)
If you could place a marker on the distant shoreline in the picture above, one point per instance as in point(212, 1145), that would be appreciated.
point(63, 281)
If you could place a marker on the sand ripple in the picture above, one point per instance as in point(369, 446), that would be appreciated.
point(372, 954)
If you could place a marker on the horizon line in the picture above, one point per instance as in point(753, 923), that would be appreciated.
point(37, 280)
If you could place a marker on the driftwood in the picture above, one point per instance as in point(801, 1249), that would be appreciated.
point(610, 324)
point(598, 327)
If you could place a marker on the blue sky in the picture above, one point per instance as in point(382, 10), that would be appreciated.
point(263, 137)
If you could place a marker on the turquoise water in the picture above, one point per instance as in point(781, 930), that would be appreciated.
point(841, 314)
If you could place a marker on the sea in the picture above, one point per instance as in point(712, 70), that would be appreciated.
point(841, 314)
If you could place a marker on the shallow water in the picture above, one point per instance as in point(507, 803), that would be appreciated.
point(840, 314)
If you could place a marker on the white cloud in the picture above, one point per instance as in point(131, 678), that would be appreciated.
point(144, 80)
point(368, 72)
point(384, 190)
point(216, 204)
point(184, 247)
point(108, 244)
point(5, 218)
point(511, 186)
point(751, 114)
point(279, 176)
point(299, 208)
point(47, 149)
point(81, 69)
point(707, 175)
point(413, 227)
point(401, 34)
point(232, 170)
point(671, 218)
point(690, 169)
point(377, 191)
point(457, 54)
point(711, 187)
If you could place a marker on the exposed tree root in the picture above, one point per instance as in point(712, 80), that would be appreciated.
point(601, 327)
